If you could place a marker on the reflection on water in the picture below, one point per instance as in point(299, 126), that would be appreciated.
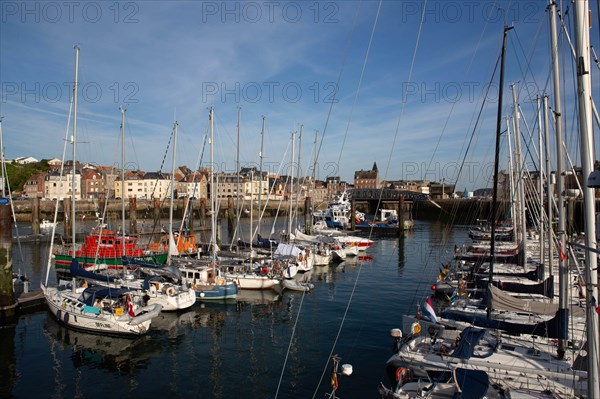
point(252, 347)
point(8, 371)
point(122, 355)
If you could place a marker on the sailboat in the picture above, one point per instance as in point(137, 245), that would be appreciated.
point(514, 363)
point(207, 280)
point(95, 309)
point(153, 284)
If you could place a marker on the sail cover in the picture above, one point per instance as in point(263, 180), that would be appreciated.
point(472, 384)
point(287, 249)
point(503, 301)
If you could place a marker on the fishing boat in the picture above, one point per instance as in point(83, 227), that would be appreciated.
point(104, 249)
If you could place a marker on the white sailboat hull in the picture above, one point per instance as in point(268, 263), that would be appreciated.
point(68, 310)
point(252, 281)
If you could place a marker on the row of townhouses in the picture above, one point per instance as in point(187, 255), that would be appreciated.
point(93, 181)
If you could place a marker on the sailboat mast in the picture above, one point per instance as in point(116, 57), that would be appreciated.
point(291, 185)
point(298, 170)
point(260, 176)
point(541, 182)
point(251, 210)
point(496, 163)
point(314, 182)
point(122, 181)
point(511, 177)
point(237, 184)
point(563, 277)
point(75, 89)
point(213, 224)
point(520, 182)
point(171, 237)
point(589, 201)
point(550, 212)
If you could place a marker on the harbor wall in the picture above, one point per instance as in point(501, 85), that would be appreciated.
point(467, 211)
point(455, 211)
point(145, 209)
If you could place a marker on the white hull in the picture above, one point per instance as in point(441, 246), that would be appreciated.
point(290, 271)
point(305, 263)
point(361, 243)
point(170, 296)
point(338, 254)
point(172, 300)
point(251, 281)
point(351, 250)
point(513, 366)
point(66, 308)
point(295, 285)
point(321, 260)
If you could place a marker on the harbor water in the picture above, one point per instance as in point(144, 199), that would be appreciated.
point(262, 345)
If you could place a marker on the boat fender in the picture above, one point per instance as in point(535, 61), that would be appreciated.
point(402, 375)
point(66, 318)
point(59, 314)
point(415, 328)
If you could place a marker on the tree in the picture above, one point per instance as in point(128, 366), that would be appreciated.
point(18, 174)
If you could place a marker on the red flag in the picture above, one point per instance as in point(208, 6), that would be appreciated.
point(130, 307)
point(563, 257)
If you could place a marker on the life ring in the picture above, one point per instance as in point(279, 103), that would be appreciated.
point(415, 328)
point(171, 291)
point(402, 374)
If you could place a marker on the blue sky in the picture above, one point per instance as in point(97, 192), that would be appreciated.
point(166, 60)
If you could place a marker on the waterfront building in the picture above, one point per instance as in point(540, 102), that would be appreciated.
point(61, 187)
point(367, 178)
